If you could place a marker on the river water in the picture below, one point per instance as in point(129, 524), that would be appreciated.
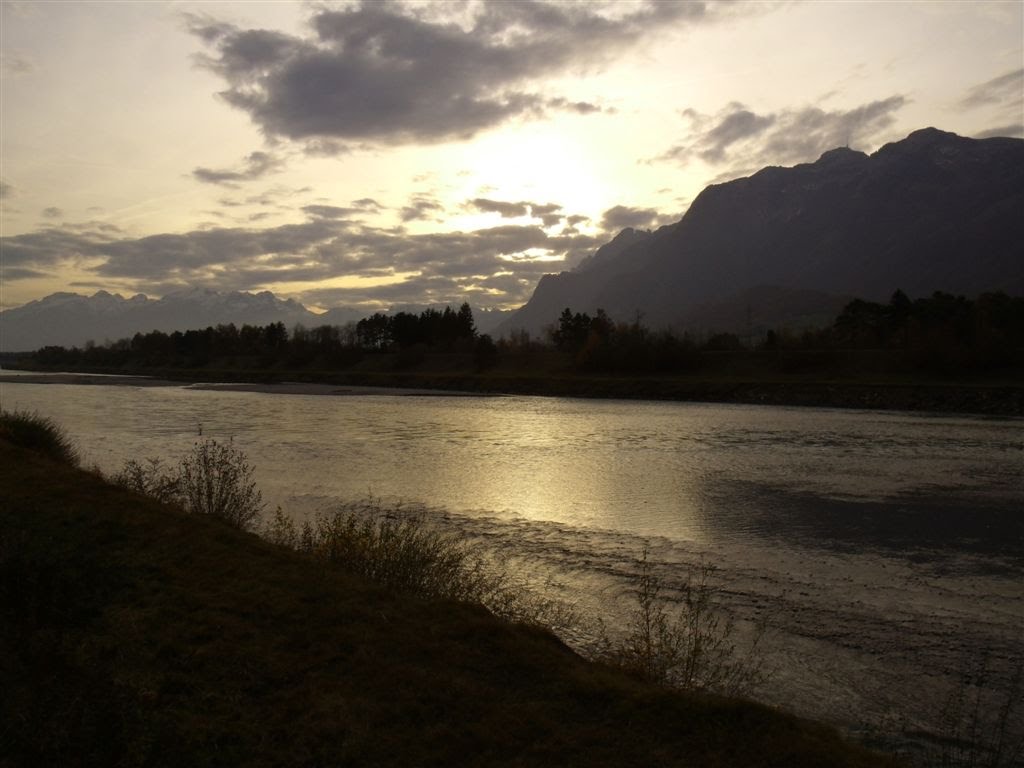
point(883, 550)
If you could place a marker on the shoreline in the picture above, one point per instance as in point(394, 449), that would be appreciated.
point(276, 388)
point(995, 400)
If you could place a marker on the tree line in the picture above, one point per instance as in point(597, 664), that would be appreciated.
point(941, 333)
point(273, 345)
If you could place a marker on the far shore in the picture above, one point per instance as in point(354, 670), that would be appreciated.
point(280, 388)
point(999, 399)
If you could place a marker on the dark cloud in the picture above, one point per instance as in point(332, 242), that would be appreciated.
point(742, 139)
point(391, 73)
point(738, 125)
point(327, 211)
point(23, 273)
point(52, 212)
point(366, 204)
point(6, 190)
point(622, 217)
point(1015, 131)
point(579, 107)
point(504, 209)
point(549, 213)
point(1006, 95)
point(436, 267)
point(53, 246)
point(1007, 89)
point(256, 165)
point(420, 208)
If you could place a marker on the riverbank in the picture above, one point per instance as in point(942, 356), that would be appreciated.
point(135, 635)
point(989, 398)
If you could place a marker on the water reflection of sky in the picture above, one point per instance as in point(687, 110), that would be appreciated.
point(694, 471)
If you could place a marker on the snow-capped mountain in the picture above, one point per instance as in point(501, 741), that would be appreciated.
point(71, 319)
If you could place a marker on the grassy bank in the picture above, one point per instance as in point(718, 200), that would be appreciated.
point(132, 634)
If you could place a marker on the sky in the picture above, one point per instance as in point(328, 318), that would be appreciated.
point(384, 154)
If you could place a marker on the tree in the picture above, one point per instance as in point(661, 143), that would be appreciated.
point(466, 324)
point(485, 352)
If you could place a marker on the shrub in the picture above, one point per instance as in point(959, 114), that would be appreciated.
point(216, 479)
point(150, 477)
point(212, 479)
point(398, 548)
point(694, 649)
point(40, 434)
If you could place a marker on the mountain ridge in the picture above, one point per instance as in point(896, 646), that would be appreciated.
point(934, 211)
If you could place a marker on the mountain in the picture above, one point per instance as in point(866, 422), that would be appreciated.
point(933, 212)
point(71, 319)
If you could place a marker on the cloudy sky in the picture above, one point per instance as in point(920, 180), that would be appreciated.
point(389, 153)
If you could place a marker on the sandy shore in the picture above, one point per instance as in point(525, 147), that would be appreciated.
point(304, 388)
point(284, 388)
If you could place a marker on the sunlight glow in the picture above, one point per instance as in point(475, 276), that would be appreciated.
point(539, 164)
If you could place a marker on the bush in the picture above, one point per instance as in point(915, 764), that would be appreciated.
point(150, 477)
point(212, 479)
point(40, 434)
point(216, 479)
point(693, 650)
point(399, 549)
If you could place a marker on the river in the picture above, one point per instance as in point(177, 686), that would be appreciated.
point(883, 550)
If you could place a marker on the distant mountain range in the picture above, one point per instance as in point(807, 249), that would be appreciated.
point(71, 319)
point(789, 246)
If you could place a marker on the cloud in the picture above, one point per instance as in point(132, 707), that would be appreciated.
point(549, 213)
point(1006, 89)
point(52, 212)
point(23, 273)
point(420, 208)
point(505, 210)
point(52, 246)
point(256, 165)
point(1015, 131)
point(327, 246)
point(736, 126)
point(6, 190)
point(1005, 96)
point(579, 107)
point(15, 63)
point(742, 139)
point(394, 73)
point(622, 217)
point(327, 211)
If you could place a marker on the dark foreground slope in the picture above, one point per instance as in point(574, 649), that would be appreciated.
point(133, 635)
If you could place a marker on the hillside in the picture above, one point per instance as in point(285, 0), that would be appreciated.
point(134, 635)
point(933, 212)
